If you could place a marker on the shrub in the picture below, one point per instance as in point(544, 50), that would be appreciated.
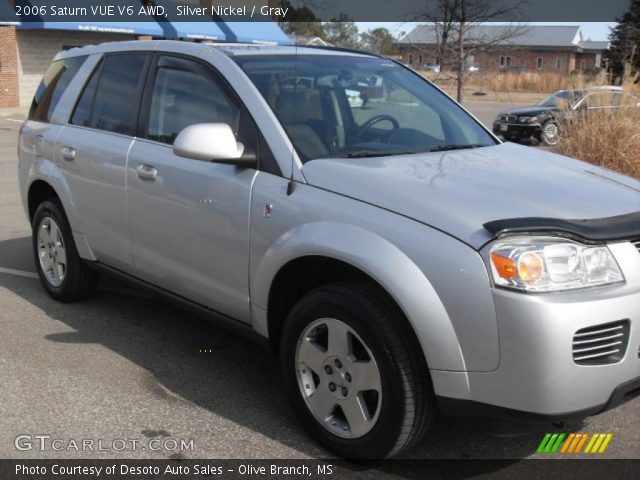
point(608, 138)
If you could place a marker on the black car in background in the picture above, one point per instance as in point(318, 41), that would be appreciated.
point(539, 123)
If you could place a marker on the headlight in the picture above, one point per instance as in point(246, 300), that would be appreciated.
point(527, 119)
point(549, 264)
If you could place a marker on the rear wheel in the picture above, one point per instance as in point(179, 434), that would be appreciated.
point(62, 273)
point(354, 372)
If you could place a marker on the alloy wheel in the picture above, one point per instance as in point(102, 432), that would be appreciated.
point(52, 253)
point(551, 134)
point(339, 378)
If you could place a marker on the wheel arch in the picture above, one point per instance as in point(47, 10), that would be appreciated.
point(39, 191)
point(326, 252)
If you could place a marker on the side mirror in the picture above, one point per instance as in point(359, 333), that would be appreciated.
point(212, 142)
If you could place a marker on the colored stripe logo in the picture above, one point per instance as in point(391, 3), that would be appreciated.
point(574, 443)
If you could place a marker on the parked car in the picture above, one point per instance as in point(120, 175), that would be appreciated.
point(431, 67)
point(469, 67)
point(401, 261)
point(541, 122)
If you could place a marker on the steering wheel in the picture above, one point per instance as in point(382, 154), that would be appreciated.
point(374, 120)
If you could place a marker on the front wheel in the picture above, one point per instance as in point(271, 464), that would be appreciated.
point(354, 372)
point(550, 135)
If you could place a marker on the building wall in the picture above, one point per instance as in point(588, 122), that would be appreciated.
point(491, 61)
point(8, 68)
point(36, 49)
point(543, 61)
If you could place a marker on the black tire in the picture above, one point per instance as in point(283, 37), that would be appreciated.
point(79, 281)
point(408, 404)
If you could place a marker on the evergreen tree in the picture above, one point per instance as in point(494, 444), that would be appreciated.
point(625, 42)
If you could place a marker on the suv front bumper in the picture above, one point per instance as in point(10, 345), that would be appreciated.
point(517, 131)
point(537, 377)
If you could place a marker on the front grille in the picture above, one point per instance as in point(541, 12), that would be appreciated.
point(601, 345)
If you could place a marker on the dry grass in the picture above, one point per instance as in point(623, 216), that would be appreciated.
point(500, 83)
point(609, 139)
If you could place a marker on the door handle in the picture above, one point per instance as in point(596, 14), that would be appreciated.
point(68, 154)
point(147, 172)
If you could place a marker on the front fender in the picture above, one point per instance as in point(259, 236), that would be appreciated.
point(382, 261)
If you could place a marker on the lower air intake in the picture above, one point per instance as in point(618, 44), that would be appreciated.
point(602, 344)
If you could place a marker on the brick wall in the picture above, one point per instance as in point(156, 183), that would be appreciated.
point(545, 61)
point(532, 60)
point(36, 49)
point(8, 68)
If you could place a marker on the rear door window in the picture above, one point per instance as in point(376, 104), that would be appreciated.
point(53, 85)
point(111, 98)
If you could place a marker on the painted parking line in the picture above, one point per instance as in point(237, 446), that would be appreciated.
point(18, 273)
point(14, 120)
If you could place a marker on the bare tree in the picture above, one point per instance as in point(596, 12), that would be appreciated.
point(458, 35)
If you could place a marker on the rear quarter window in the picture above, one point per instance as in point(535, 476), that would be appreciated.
point(54, 83)
point(110, 99)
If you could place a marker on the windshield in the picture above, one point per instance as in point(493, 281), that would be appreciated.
point(348, 107)
point(561, 98)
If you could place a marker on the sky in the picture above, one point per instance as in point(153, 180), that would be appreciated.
point(592, 30)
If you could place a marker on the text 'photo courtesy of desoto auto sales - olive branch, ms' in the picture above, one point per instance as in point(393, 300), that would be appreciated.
point(264, 239)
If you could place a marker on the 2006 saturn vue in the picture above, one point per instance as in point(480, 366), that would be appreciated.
point(398, 258)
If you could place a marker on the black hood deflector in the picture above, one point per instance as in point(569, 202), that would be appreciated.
point(597, 230)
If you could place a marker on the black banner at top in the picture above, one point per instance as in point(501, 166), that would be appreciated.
point(307, 10)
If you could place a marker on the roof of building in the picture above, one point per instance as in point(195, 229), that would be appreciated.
point(563, 36)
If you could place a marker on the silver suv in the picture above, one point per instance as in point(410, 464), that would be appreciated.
point(398, 258)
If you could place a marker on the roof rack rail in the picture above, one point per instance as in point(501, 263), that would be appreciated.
point(343, 49)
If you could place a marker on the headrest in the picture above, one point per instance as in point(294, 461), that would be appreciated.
point(293, 107)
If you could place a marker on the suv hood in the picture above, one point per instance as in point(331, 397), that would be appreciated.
point(459, 191)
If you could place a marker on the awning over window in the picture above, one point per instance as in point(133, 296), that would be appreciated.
point(244, 32)
point(254, 32)
point(193, 30)
point(130, 28)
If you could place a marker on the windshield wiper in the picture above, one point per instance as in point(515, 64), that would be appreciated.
point(439, 148)
point(370, 154)
point(454, 146)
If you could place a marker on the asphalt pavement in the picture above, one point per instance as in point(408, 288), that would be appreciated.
point(122, 366)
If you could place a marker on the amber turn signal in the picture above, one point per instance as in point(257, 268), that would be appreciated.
point(505, 267)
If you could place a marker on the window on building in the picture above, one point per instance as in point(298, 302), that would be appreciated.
point(583, 64)
point(53, 85)
point(410, 59)
point(598, 60)
point(505, 61)
point(110, 103)
point(420, 60)
point(558, 63)
point(539, 63)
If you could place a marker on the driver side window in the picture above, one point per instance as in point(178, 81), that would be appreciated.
point(184, 97)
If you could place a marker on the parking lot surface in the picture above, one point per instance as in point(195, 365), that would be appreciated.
point(126, 366)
